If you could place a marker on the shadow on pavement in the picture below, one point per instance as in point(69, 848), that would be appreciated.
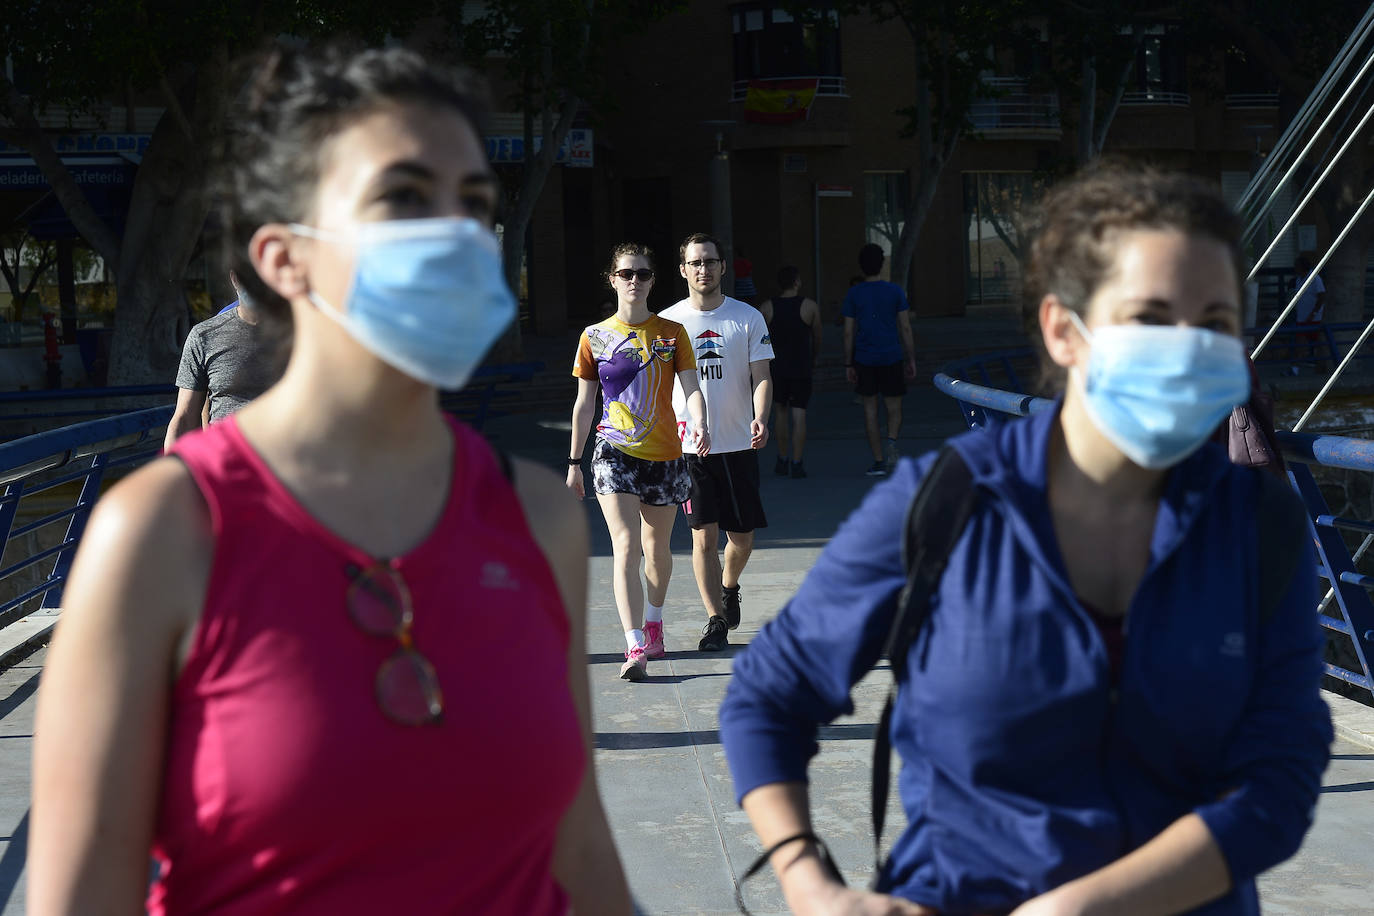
point(638, 741)
point(21, 693)
point(12, 863)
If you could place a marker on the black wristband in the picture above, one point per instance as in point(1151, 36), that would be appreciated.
point(758, 864)
point(573, 461)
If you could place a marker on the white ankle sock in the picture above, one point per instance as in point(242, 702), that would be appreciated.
point(653, 614)
point(634, 638)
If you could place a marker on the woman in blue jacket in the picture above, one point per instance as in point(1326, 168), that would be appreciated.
point(1097, 717)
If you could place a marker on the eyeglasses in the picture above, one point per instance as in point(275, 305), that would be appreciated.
point(407, 688)
point(708, 263)
point(643, 275)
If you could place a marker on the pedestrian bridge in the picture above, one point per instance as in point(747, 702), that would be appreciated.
point(661, 766)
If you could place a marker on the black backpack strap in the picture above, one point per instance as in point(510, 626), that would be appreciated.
point(1283, 524)
point(937, 516)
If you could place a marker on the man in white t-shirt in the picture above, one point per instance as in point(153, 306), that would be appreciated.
point(732, 349)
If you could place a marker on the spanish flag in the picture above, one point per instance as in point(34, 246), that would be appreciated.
point(779, 101)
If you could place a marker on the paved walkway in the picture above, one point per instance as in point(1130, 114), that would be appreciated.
point(661, 766)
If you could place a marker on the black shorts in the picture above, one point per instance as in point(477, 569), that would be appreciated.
point(725, 491)
point(656, 483)
point(889, 380)
point(792, 392)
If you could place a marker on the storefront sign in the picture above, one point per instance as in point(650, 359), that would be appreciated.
point(20, 173)
point(132, 144)
point(575, 152)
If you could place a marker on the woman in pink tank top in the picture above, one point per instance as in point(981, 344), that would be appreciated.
point(329, 657)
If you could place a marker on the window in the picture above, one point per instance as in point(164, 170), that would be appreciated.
point(775, 40)
point(996, 206)
point(885, 198)
point(1249, 84)
point(1160, 75)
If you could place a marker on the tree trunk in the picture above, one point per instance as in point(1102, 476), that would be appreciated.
point(914, 219)
point(935, 150)
point(555, 127)
point(167, 213)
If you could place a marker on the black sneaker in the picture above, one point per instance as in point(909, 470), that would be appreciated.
point(730, 598)
point(713, 638)
point(780, 467)
point(797, 470)
point(877, 469)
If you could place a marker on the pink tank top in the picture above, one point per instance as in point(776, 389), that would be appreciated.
point(287, 790)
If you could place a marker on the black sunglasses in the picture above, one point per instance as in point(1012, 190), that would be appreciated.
point(643, 274)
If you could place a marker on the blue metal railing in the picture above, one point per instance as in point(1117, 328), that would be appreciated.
point(98, 402)
point(478, 401)
point(1353, 611)
point(51, 481)
point(40, 519)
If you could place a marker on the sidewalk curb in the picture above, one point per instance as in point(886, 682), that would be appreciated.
point(1354, 722)
point(25, 636)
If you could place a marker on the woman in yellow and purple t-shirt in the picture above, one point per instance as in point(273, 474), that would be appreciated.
point(637, 468)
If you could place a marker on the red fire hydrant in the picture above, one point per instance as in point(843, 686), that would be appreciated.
point(52, 357)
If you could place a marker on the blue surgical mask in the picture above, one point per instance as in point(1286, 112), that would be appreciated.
point(427, 296)
point(1158, 393)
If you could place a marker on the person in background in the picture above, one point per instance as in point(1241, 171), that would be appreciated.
point(329, 656)
point(225, 363)
point(879, 354)
point(794, 326)
point(745, 290)
point(732, 354)
point(1087, 720)
point(1310, 307)
point(638, 472)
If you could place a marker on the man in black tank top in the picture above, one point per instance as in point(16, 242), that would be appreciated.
point(794, 326)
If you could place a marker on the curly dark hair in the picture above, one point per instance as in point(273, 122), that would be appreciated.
point(294, 99)
point(1080, 220)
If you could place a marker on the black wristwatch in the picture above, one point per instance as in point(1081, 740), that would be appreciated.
point(573, 461)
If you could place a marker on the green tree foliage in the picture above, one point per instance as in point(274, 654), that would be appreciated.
point(20, 255)
point(81, 56)
point(552, 52)
point(952, 44)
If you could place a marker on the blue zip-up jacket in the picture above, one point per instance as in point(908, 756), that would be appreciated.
point(1023, 768)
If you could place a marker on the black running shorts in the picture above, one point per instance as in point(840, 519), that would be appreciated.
point(889, 380)
point(792, 392)
point(725, 491)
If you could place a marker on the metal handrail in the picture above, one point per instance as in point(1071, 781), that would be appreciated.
point(1353, 615)
point(1154, 97)
point(826, 86)
point(40, 474)
point(1252, 99)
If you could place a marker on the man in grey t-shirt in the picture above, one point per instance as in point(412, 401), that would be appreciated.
point(223, 367)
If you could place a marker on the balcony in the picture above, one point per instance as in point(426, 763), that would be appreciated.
point(1015, 110)
point(1156, 97)
point(825, 121)
point(828, 86)
point(1243, 100)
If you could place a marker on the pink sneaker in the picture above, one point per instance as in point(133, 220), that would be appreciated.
point(636, 667)
point(653, 640)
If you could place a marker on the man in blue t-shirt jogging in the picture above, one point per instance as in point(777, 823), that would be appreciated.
point(879, 355)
